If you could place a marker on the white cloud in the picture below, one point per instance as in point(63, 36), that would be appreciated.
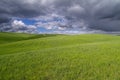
point(32, 26)
point(44, 2)
point(48, 25)
point(17, 23)
point(76, 8)
point(18, 26)
point(62, 28)
point(51, 22)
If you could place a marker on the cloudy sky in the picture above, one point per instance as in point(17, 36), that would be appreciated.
point(60, 16)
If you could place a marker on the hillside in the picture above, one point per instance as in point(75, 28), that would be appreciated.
point(59, 57)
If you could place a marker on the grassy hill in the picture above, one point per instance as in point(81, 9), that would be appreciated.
point(59, 57)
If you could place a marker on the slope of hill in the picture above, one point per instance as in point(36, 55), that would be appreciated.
point(12, 37)
point(59, 57)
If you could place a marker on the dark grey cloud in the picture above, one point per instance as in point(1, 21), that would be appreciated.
point(85, 14)
point(4, 20)
point(22, 8)
point(98, 14)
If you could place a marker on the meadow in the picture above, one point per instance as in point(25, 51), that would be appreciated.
point(59, 57)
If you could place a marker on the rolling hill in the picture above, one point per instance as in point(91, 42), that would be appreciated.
point(59, 57)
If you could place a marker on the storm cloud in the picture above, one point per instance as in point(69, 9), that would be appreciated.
point(101, 15)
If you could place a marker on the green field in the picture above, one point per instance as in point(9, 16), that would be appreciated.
point(59, 57)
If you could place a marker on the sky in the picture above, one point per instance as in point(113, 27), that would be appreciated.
point(60, 16)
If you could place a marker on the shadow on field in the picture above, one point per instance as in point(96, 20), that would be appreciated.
point(41, 36)
point(6, 37)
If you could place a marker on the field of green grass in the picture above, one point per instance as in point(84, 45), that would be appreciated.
point(59, 57)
